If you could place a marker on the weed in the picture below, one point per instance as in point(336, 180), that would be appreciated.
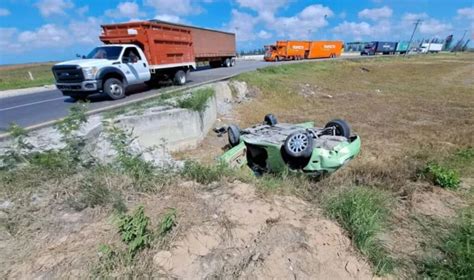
point(457, 255)
point(19, 146)
point(204, 174)
point(134, 231)
point(362, 212)
point(442, 176)
point(168, 222)
point(110, 259)
point(197, 101)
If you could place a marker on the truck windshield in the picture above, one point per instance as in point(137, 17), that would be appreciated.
point(110, 53)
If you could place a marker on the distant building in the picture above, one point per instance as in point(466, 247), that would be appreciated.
point(354, 46)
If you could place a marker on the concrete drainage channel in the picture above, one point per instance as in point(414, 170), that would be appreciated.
point(156, 131)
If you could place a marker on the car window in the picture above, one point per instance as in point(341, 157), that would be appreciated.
point(132, 54)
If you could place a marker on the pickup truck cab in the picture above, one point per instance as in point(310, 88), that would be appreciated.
point(109, 69)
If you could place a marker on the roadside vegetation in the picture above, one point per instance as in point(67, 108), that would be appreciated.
point(17, 76)
point(406, 202)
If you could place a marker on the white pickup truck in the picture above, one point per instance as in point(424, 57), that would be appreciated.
point(109, 69)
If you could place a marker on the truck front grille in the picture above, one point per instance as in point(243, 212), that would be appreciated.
point(68, 74)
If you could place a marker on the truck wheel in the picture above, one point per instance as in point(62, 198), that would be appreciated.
point(180, 78)
point(232, 62)
point(299, 145)
point(342, 127)
point(270, 120)
point(227, 62)
point(114, 88)
point(233, 134)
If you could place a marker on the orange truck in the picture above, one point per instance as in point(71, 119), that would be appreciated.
point(296, 50)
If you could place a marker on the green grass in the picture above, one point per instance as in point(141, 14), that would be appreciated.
point(204, 174)
point(363, 213)
point(15, 77)
point(456, 258)
point(442, 176)
point(197, 101)
point(134, 231)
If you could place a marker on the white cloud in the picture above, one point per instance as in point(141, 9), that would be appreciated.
point(169, 18)
point(174, 7)
point(82, 10)
point(242, 24)
point(125, 10)
point(51, 36)
point(53, 7)
point(262, 34)
point(428, 26)
point(4, 12)
point(262, 5)
point(364, 30)
point(466, 13)
point(376, 14)
point(301, 25)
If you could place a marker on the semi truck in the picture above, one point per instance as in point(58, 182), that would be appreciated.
point(143, 52)
point(379, 47)
point(296, 50)
point(402, 47)
point(431, 47)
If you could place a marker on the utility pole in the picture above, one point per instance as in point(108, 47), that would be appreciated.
point(418, 21)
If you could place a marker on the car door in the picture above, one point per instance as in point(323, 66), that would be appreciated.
point(134, 66)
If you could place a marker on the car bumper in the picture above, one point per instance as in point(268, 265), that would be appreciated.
point(87, 86)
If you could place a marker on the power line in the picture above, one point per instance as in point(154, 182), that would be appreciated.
point(418, 21)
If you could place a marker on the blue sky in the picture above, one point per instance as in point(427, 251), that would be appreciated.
point(45, 30)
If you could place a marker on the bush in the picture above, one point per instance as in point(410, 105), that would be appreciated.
point(204, 174)
point(457, 253)
point(134, 231)
point(441, 176)
point(362, 212)
point(197, 101)
point(168, 222)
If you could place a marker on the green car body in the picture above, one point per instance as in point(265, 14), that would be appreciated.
point(323, 158)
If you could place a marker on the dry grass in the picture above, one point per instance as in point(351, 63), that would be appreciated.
point(16, 76)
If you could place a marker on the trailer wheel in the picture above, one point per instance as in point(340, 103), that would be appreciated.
point(227, 62)
point(232, 62)
point(180, 78)
point(114, 88)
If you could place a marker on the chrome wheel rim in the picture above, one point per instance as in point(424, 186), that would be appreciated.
point(116, 90)
point(298, 143)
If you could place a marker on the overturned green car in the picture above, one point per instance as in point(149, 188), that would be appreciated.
point(275, 147)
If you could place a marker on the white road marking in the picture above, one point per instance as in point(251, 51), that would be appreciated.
point(32, 103)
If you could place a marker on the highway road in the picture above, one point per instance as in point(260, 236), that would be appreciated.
point(36, 108)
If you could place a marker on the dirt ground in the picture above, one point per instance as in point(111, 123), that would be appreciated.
point(227, 231)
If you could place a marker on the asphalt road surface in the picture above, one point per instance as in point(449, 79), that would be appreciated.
point(35, 108)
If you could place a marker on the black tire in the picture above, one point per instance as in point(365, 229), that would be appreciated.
point(299, 145)
point(180, 78)
point(232, 62)
point(233, 134)
point(114, 88)
point(227, 62)
point(342, 127)
point(270, 120)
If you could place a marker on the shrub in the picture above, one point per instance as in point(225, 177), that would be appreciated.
point(168, 222)
point(197, 101)
point(442, 176)
point(134, 231)
point(204, 174)
point(362, 212)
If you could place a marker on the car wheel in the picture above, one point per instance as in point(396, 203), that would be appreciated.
point(180, 78)
point(299, 145)
point(233, 134)
point(342, 127)
point(270, 120)
point(114, 88)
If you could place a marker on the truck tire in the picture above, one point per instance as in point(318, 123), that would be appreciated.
point(180, 78)
point(227, 62)
point(232, 62)
point(114, 88)
point(342, 127)
point(299, 145)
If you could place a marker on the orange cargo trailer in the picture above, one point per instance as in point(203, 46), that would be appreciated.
point(295, 50)
point(169, 45)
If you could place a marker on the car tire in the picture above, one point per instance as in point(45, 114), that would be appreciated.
point(180, 78)
point(114, 88)
point(299, 145)
point(270, 120)
point(233, 134)
point(342, 127)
